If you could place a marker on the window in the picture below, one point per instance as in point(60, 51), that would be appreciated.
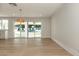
point(0, 24)
point(3, 24)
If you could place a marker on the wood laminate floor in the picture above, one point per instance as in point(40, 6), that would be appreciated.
point(31, 47)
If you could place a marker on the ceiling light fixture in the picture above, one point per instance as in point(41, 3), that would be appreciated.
point(20, 19)
point(13, 4)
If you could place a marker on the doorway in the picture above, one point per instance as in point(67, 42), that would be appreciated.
point(20, 29)
point(27, 29)
point(34, 29)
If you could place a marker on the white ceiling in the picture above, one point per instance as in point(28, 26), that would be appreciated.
point(28, 9)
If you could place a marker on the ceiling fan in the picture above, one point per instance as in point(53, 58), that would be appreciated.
point(13, 4)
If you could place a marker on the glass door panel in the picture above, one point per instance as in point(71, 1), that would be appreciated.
point(31, 29)
point(16, 29)
point(37, 29)
point(24, 29)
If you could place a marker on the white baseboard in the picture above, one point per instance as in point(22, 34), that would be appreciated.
point(31, 38)
point(70, 50)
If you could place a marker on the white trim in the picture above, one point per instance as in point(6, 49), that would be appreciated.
point(70, 50)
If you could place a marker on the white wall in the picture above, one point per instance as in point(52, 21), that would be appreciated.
point(45, 25)
point(65, 27)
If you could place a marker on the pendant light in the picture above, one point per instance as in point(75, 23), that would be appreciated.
point(20, 19)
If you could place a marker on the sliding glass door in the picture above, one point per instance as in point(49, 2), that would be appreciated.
point(20, 29)
point(16, 29)
point(31, 29)
point(27, 29)
point(23, 32)
point(38, 29)
point(34, 29)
